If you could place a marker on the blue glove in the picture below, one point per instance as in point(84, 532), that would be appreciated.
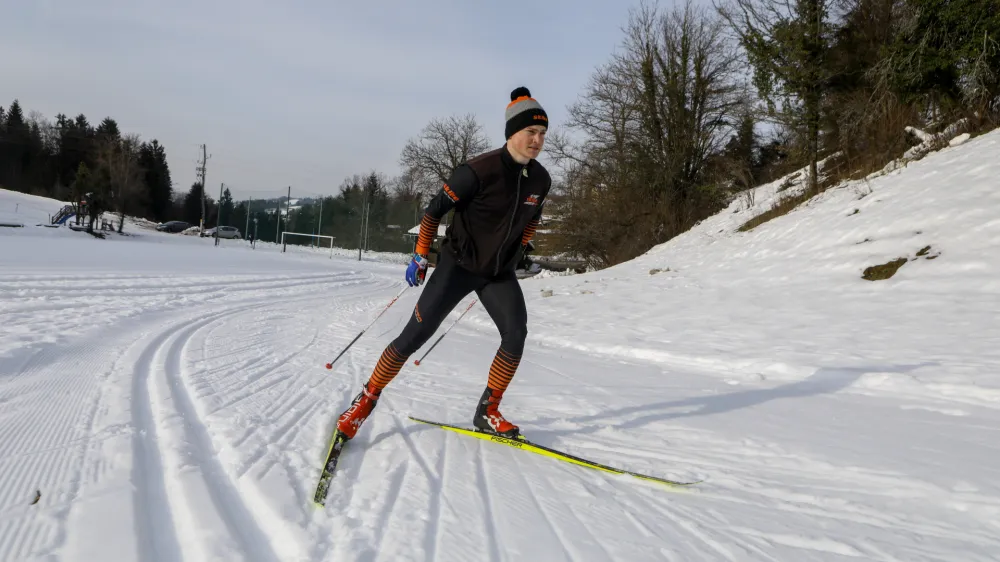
point(416, 270)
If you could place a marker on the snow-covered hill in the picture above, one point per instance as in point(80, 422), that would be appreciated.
point(24, 209)
point(165, 399)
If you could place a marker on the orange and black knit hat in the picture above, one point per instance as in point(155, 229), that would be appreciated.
point(523, 112)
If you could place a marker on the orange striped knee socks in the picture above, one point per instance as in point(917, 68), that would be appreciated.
point(387, 368)
point(502, 370)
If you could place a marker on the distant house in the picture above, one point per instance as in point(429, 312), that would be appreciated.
point(415, 231)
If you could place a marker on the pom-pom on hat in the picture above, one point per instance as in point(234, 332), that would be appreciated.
point(523, 111)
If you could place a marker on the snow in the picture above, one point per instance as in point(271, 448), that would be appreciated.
point(168, 398)
point(23, 209)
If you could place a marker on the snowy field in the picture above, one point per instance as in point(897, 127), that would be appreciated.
point(168, 401)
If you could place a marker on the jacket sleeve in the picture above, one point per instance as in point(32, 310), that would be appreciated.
point(456, 192)
point(529, 231)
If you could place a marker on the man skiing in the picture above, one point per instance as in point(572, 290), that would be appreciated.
point(498, 198)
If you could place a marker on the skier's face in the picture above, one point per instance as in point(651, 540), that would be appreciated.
point(528, 142)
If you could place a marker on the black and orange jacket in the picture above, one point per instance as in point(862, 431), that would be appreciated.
point(498, 205)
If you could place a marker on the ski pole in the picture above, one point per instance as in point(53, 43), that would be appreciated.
point(441, 337)
point(394, 299)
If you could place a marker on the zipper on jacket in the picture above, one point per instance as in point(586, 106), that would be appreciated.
point(517, 198)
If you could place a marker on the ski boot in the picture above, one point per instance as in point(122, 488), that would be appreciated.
point(489, 419)
point(352, 418)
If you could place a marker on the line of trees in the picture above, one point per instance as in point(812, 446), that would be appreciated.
point(70, 158)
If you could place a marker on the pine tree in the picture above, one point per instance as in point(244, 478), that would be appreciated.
point(159, 188)
point(192, 204)
point(226, 208)
point(948, 53)
point(15, 116)
point(15, 147)
point(108, 129)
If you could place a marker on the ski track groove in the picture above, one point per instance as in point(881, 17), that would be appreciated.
point(489, 521)
point(433, 539)
point(721, 528)
point(239, 520)
point(297, 416)
point(681, 522)
point(251, 394)
point(392, 485)
point(693, 530)
point(66, 442)
point(155, 529)
point(565, 544)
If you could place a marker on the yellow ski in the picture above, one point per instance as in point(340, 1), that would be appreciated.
point(526, 445)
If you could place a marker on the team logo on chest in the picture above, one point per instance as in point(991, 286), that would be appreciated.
point(531, 200)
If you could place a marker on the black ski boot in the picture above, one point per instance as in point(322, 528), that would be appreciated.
point(489, 419)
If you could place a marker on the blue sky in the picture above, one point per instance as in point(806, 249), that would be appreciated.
point(303, 93)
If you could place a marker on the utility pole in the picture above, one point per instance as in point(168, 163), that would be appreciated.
point(361, 234)
point(201, 172)
point(277, 229)
point(246, 231)
point(319, 226)
point(218, 216)
point(288, 214)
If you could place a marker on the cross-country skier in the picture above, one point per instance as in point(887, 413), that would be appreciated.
point(497, 197)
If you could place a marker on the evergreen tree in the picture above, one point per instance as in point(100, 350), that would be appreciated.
point(159, 188)
point(192, 204)
point(226, 208)
point(788, 44)
point(108, 129)
point(15, 142)
point(15, 115)
point(948, 53)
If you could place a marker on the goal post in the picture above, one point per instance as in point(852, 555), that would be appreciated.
point(284, 244)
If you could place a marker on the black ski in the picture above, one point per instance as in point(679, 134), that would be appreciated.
point(337, 442)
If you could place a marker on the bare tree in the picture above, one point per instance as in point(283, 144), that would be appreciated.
point(119, 158)
point(442, 146)
point(651, 120)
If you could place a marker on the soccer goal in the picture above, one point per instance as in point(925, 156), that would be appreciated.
point(284, 244)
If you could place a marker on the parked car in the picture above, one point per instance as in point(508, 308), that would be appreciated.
point(173, 226)
point(224, 232)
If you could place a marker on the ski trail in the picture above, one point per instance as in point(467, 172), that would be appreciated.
point(243, 532)
point(483, 483)
point(157, 535)
point(434, 527)
point(570, 549)
point(392, 488)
